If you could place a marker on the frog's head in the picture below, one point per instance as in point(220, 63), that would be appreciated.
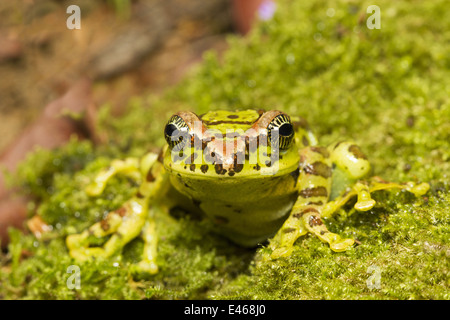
point(233, 144)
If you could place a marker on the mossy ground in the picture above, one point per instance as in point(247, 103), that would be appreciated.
point(387, 89)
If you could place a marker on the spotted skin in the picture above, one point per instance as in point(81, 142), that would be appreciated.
point(256, 175)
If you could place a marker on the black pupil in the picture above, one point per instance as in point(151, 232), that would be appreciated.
point(286, 129)
point(170, 129)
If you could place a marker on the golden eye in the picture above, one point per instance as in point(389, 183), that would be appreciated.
point(176, 133)
point(282, 124)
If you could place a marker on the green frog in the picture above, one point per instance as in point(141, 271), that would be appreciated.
point(257, 175)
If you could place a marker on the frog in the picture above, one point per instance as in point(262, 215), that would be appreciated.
point(259, 177)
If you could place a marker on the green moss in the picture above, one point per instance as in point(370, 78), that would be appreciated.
point(387, 89)
point(409, 247)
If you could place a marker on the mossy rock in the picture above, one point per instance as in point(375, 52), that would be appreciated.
point(388, 89)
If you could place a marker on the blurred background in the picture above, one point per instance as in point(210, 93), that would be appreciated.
point(127, 47)
point(124, 48)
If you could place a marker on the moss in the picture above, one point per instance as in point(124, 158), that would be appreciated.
point(408, 247)
point(387, 89)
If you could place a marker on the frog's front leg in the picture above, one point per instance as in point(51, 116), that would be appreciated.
point(130, 220)
point(314, 185)
point(351, 165)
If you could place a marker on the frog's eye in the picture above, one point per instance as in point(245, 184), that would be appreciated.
point(281, 124)
point(176, 133)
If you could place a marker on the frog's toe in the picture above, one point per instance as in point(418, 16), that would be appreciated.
point(420, 189)
point(75, 241)
point(281, 252)
point(341, 244)
point(77, 254)
point(84, 254)
point(94, 189)
point(364, 205)
point(144, 268)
